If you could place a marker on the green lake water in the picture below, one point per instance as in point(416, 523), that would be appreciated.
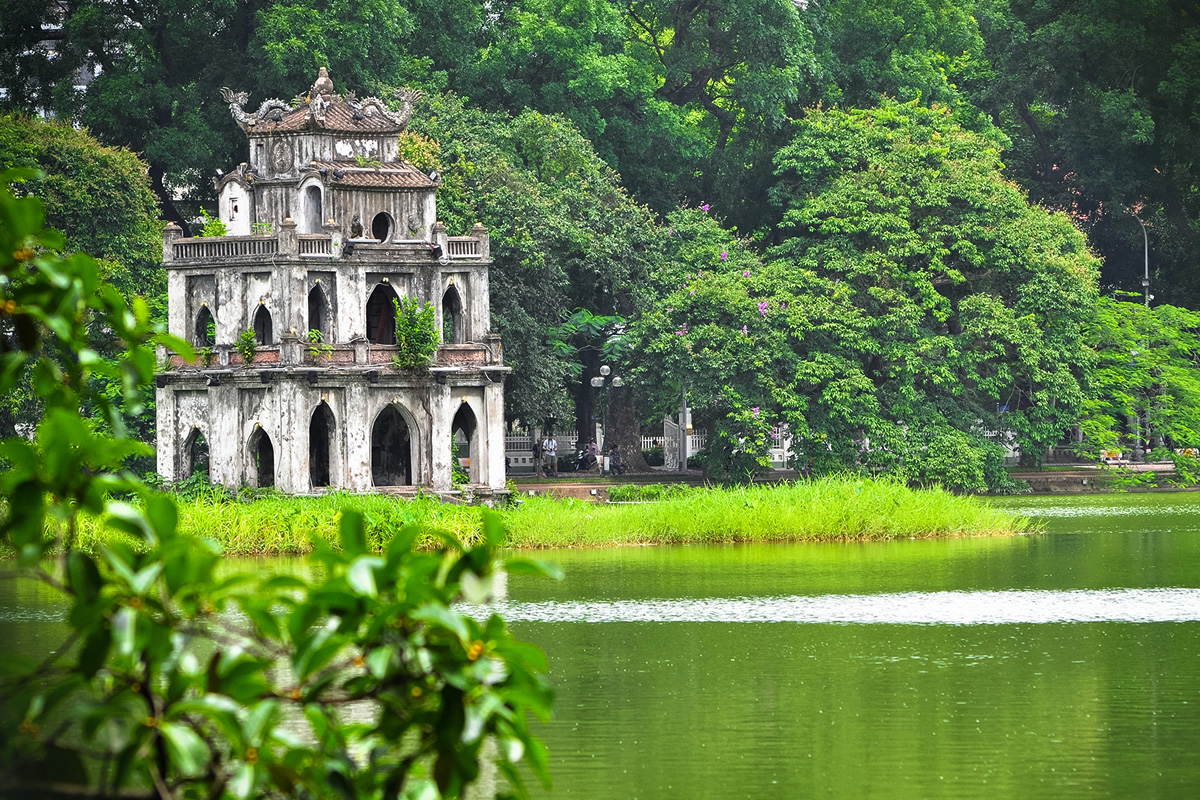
point(1060, 665)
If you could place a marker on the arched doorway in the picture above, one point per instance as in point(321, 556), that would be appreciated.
point(382, 226)
point(206, 328)
point(318, 313)
point(463, 431)
point(262, 459)
point(262, 325)
point(311, 219)
point(320, 443)
point(381, 315)
point(452, 317)
point(195, 454)
point(391, 450)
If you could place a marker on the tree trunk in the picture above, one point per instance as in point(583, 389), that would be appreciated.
point(165, 201)
point(585, 397)
point(624, 429)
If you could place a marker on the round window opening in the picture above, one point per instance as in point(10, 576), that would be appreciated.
point(381, 227)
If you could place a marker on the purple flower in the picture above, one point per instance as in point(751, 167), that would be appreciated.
point(704, 207)
point(746, 274)
point(670, 308)
point(693, 291)
point(724, 256)
point(688, 276)
point(670, 230)
point(783, 306)
point(744, 331)
point(755, 410)
point(762, 307)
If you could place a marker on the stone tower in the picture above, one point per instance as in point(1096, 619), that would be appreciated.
point(327, 229)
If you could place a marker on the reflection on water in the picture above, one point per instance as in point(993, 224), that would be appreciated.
point(912, 608)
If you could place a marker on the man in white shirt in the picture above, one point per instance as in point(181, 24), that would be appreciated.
point(550, 450)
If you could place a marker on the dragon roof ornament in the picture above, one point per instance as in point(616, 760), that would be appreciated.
point(312, 111)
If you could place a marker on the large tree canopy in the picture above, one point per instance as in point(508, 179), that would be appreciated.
point(916, 296)
point(98, 196)
point(1100, 98)
point(564, 236)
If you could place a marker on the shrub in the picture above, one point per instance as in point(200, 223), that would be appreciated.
point(213, 226)
point(416, 334)
point(247, 345)
point(654, 456)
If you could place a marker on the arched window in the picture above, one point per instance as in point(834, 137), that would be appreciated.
point(463, 432)
point(382, 226)
point(195, 452)
point(381, 315)
point(262, 325)
point(391, 450)
point(318, 313)
point(262, 459)
point(453, 329)
point(310, 220)
point(206, 328)
point(320, 441)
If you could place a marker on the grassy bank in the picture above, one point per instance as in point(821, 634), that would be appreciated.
point(819, 510)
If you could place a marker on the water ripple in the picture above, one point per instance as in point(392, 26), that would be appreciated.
point(910, 608)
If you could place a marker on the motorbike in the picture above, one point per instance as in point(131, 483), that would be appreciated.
point(585, 461)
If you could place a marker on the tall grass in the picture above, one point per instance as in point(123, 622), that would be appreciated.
point(820, 509)
point(282, 525)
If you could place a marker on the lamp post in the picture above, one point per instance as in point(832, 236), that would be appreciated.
point(606, 378)
point(1146, 273)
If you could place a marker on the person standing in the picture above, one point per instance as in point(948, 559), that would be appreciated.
point(550, 451)
point(537, 457)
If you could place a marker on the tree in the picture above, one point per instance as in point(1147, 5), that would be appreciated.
point(153, 70)
point(102, 196)
point(1099, 97)
point(564, 235)
point(1145, 385)
point(159, 679)
point(915, 293)
point(99, 195)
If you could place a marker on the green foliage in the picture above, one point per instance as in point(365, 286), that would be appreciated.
point(564, 235)
point(261, 228)
point(913, 290)
point(953, 459)
point(459, 476)
point(1122, 479)
point(178, 676)
point(416, 334)
point(247, 345)
point(213, 226)
point(98, 196)
point(1145, 381)
point(654, 456)
point(317, 345)
point(363, 161)
point(646, 492)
